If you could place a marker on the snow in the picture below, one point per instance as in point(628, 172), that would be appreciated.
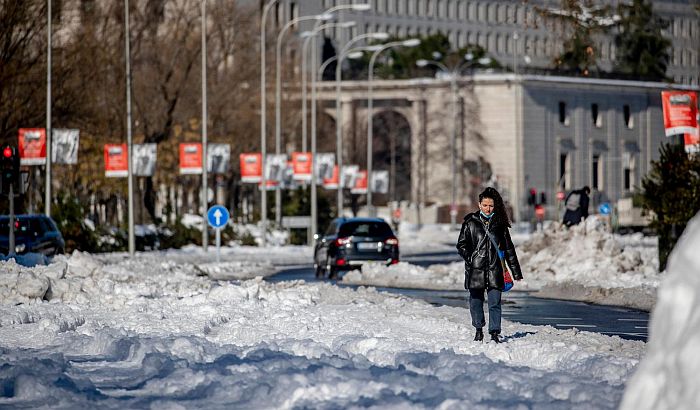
point(173, 329)
point(667, 377)
point(162, 331)
point(585, 263)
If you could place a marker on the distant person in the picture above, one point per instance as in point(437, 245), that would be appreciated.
point(576, 205)
point(483, 241)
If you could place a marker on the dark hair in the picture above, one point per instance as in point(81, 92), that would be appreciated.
point(587, 189)
point(499, 208)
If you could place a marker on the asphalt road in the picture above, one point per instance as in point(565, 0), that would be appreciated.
point(517, 306)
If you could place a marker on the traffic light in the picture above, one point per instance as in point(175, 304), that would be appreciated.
point(543, 198)
point(9, 166)
point(532, 199)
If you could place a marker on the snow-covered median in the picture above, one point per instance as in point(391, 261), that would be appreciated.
point(584, 263)
point(157, 333)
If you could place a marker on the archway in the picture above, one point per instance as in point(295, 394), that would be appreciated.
point(391, 149)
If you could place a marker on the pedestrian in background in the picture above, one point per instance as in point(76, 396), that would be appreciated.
point(576, 205)
point(483, 240)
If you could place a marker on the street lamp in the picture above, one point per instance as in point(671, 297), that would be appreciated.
point(453, 73)
point(205, 196)
point(47, 197)
point(278, 96)
point(338, 111)
point(130, 177)
point(263, 130)
point(311, 35)
point(406, 43)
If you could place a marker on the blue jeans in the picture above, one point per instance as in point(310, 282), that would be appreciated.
point(476, 308)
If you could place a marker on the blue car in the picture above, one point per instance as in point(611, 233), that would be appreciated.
point(33, 234)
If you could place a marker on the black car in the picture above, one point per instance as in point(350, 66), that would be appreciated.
point(33, 233)
point(350, 242)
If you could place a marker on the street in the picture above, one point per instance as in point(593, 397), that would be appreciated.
point(517, 306)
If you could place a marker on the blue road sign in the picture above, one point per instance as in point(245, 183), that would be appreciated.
point(604, 208)
point(217, 216)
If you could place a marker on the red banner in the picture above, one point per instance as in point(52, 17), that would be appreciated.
point(301, 164)
point(680, 111)
point(360, 186)
point(32, 146)
point(116, 160)
point(191, 158)
point(332, 182)
point(251, 167)
point(692, 144)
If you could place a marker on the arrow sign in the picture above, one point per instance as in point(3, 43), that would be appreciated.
point(217, 216)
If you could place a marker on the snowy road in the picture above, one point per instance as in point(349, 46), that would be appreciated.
point(518, 306)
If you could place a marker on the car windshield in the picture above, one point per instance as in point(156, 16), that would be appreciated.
point(23, 227)
point(374, 229)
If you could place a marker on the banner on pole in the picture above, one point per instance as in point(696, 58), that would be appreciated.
point(288, 181)
point(680, 112)
point(324, 165)
point(301, 164)
point(275, 167)
point(116, 161)
point(692, 143)
point(32, 146)
point(380, 182)
point(332, 182)
point(190, 158)
point(360, 186)
point(348, 176)
point(144, 156)
point(218, 158)
point(251, 167)
point(64, 146)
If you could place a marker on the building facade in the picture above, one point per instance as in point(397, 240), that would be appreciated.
point(511, 31)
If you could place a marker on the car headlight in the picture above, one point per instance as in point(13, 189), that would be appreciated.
point(20, 248)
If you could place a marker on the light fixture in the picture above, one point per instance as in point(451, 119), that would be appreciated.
point(411, 42)
point(422, 63)
point(361, 7)
point(379, 36)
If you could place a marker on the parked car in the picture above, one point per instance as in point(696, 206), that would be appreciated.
point(33, 233)
point(350, 242)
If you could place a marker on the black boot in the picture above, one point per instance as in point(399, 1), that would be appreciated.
point(479, 336)
point(494, 337)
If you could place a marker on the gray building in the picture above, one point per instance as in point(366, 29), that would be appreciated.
point(511, 30)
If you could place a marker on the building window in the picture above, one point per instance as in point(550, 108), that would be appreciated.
point(628, 171)
point(596, 173)
point(595, 116)
point(564, 175)
point(563, 115)
point(627, 115)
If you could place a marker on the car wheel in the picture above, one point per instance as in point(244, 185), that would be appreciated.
point(320, 272)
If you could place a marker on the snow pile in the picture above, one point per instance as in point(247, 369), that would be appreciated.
point(414, 238)
point(667, 377)
point(154, 333)
point(584, 263)
point(409, 276)
point(83, 278)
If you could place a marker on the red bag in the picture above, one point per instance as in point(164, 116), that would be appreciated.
point(507, 279)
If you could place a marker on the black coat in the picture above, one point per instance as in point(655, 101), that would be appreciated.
point(482, 267)
point(573, 217)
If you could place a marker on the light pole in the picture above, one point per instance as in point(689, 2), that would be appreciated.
point(263, 130)
point(311, 35)
point(469, 59)
point(338, 111)
point(406, 43)
point(205, 196)
point(47, 197)
point(130, 177)
point(278, 97)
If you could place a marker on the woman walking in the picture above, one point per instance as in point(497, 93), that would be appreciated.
point(483, 242)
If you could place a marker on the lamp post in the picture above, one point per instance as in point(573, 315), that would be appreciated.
point(278, 97)
point(263, 130)
point(311, 35)
point(338, 111)
point(205, 193)
point(406, 43)
point(130, 176)
point(453, 73)
point(47, 197)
